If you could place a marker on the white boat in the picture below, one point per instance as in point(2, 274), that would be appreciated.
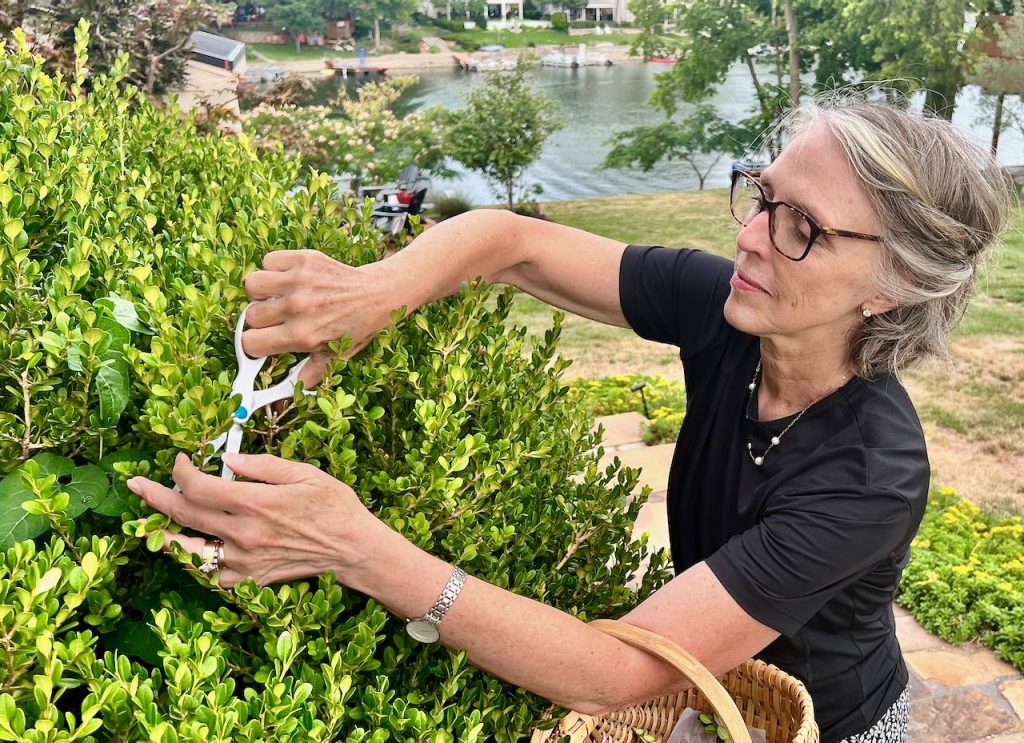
point(580, 59)
point(491, 64)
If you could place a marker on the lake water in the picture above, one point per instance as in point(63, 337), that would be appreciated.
point(597, 101)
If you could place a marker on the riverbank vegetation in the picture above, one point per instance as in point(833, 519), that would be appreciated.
point(814, 47)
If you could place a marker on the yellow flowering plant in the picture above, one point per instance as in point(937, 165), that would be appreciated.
point(965, 580)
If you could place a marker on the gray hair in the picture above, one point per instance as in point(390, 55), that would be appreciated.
point(942, 202)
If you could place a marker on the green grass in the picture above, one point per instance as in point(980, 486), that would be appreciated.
point(287, 53)
point(536, 36)
point(696, 219)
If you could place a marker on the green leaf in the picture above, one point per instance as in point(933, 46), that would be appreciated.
point(50, 579)
point(87, 489)
point(75, 358)
point(155, 541)
point(124, 313)
point(284, 645)
point(112, 388)
point(117, 500)
point(16, 523)
point(138, 640)
point(12, 228)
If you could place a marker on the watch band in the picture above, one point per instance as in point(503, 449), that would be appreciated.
point(436, 613)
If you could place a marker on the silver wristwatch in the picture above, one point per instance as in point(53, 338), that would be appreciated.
point(425, 629)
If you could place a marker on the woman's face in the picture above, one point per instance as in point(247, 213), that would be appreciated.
point(825, 293)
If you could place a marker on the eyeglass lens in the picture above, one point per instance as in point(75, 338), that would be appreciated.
point(790, 231)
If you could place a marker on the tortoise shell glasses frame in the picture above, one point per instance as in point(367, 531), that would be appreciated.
point(804, 227)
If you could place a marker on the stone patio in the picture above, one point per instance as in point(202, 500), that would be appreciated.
point(958, 694)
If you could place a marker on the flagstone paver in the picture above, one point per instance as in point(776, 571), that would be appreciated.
point(970, 715)
point(958, 694)
point(653, 462)
point(624, 428)
point(1014, 693)
point(913, 636)
point(654, 521)
point(955, 667)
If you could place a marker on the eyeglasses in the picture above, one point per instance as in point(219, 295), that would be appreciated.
point(792, 230)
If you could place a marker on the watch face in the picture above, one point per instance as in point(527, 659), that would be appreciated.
point(422, 630)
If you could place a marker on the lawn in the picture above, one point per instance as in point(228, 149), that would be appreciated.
point(973, 409)
point(288, 53)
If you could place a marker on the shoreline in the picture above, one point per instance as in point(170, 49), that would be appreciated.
point(410, 62)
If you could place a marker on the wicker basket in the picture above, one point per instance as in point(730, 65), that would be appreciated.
point(767, 698)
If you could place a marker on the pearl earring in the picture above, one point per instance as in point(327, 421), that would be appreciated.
point(867, 313)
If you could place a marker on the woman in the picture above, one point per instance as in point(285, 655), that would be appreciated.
point(800, 476)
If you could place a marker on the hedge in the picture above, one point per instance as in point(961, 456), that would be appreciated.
point(126, 235)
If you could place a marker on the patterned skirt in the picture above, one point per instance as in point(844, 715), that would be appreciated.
point(892, 728)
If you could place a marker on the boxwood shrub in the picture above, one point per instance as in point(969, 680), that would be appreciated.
point(125, 238)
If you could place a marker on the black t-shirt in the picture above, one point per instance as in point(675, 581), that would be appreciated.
point(813, 542)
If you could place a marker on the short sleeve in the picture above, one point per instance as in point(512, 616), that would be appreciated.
point(808, 547)
point(674, 296)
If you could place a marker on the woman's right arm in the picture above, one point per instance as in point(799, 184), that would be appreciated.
point(318, 299)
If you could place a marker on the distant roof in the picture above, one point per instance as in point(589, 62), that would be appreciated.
point(218, 47)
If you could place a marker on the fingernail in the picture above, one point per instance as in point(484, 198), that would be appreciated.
point(135, 485)
point(230, 459)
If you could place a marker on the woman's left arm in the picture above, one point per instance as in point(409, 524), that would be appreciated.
point(294, 521)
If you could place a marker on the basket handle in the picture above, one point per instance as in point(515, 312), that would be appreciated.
point(667, 651)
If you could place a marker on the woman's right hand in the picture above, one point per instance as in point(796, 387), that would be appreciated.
point(303, 300)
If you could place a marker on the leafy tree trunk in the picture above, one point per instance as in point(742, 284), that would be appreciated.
point(997, 124)
point(757, 83)
point(794, 54)
point(376, 34)
point(701, 175)
point(773, 146)
point(778, 52)
point(152, 65)
point(510, 193)
point(298, 48)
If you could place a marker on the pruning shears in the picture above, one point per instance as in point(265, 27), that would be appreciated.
point(252, 399)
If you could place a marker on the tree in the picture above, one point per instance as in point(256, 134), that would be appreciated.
point(387, 11)
point(161, 32)
point(155, 34)
point(1000, 70)
point(502, 130)
point(700, 140)
point(651, 17)
point(360, 135)
point(297, 17)
point(918, 45)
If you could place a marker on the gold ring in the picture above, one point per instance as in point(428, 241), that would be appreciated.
point(213, 556)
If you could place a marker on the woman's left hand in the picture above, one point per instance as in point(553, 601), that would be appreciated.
point(290, 521)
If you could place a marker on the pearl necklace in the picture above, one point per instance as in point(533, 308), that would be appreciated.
point(775, 440)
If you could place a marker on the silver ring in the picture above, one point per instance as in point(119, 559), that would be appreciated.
point(213, 556)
